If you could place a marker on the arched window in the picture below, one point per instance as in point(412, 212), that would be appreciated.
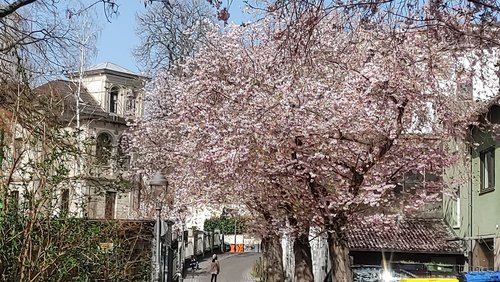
point(113, 99)
point(104, 146)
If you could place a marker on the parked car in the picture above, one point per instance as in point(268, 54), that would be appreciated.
point(373, 273)
point(227, 247)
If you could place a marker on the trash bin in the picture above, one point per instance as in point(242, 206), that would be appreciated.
point(428, 280)
point(481, 276)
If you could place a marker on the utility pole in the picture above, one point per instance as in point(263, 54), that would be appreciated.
point(181, 255)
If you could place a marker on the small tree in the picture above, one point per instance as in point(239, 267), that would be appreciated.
point(226, 225)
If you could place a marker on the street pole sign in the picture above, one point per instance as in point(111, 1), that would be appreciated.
point(162, 251)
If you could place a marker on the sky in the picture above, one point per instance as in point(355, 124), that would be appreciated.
point(118, 39)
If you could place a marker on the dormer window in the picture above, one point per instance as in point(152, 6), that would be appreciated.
point(113, 100)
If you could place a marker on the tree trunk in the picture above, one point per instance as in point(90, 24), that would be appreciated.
point(272, 259)
point(303, 259)
point(3, 185)
point(339, 256)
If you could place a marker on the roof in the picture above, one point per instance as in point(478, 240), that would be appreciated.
point(410, 236)
point(111, 67)
point(66, 91)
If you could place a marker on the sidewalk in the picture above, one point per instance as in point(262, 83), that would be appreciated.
point(203, 272)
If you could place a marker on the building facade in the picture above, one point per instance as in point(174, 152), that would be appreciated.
point(97, 106)
point(475, 213)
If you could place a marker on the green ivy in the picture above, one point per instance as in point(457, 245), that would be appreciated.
point(69, 250)
point(226, 224)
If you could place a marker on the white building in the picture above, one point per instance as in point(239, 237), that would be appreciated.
point(98, 107)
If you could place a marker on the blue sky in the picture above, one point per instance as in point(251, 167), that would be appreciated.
point(118, 38)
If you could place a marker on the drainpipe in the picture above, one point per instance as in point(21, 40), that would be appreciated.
point(470, 243)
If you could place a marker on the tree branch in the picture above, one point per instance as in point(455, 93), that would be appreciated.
point(481, 3)
point(11, 8)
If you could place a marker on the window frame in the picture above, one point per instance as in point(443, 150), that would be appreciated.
point(458, 215)
point(487, 170)
point(130, 102)
point(114, 93)
point(110, 198)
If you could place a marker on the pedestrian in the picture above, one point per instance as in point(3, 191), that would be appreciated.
point(214, 268)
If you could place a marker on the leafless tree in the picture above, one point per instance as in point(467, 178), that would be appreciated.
point(41, 37)
point(170, 32)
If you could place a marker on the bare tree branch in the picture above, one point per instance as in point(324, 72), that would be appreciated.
point(11, 8)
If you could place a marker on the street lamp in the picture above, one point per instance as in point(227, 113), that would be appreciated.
point(182, 253)
point(158, 185)
point(223, 216)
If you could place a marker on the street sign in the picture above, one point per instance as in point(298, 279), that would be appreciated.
point(163, 228)
point(106, 247)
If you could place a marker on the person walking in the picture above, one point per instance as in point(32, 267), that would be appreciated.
point(214, 268)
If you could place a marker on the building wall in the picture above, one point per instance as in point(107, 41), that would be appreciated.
point(89, 181)
point(485, 215)
point(99, 86)
point(456, 207)
point(122, 209)
point(485, 211)
point(478, 220)
point(473, 215)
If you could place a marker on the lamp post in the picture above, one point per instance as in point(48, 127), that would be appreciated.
point(181, 255)
point(223, 217)
point(158, 185)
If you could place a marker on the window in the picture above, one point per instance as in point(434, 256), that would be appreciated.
point(113, 100)
point(109, 211)
point(64, 201)
point(123, 157)
point(104, 148)
point(458, 218)
point(487, 170)
point(130, 105)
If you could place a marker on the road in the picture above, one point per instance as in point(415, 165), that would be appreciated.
point(234, 268)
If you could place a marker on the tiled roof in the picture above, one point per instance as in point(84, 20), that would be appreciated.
point(410, 235)
point(66, 90)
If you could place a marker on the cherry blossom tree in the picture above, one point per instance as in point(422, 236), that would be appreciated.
point(318, 133)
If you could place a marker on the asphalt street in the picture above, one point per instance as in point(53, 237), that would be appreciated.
point(234, 268)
